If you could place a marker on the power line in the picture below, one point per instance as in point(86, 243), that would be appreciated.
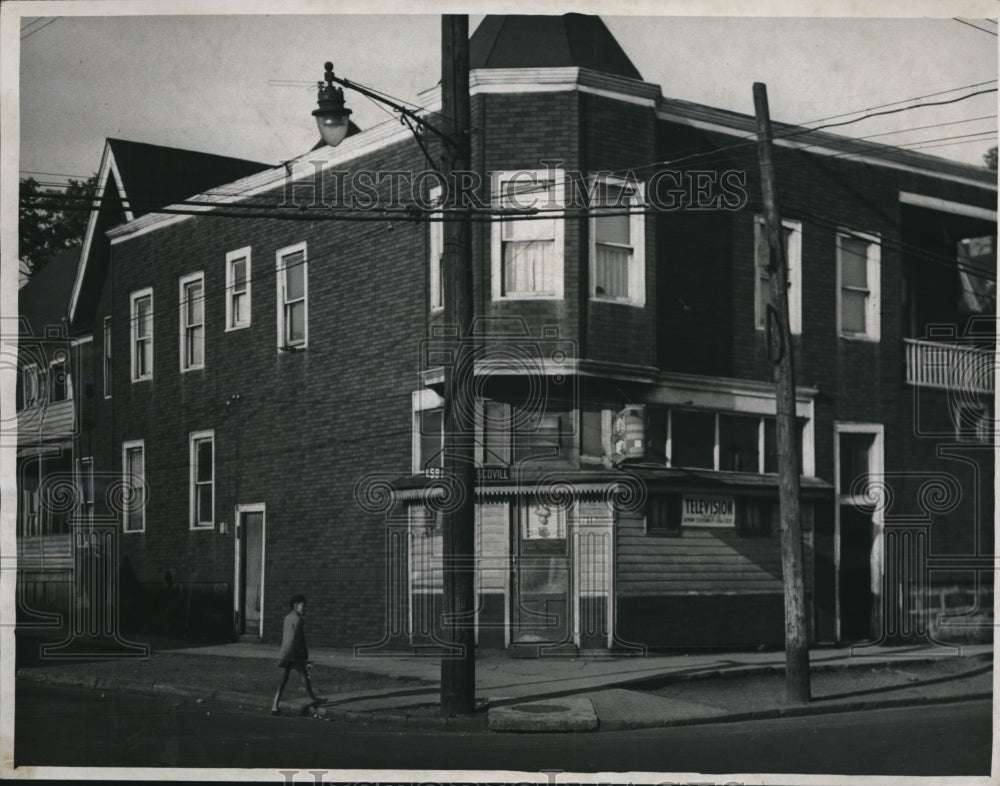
point(37, 29)
point(977, 27)
point(712, 154)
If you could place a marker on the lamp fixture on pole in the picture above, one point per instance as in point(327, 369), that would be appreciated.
point(332, 117)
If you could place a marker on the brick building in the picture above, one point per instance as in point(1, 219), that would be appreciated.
point(275, 384)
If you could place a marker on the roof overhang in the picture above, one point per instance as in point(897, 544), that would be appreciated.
point(107, 172)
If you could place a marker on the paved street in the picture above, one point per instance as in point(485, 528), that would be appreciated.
point(73, 727)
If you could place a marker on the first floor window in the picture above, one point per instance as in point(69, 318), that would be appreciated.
point(202, 479)
point(431, 438)
point(134, 471)
point(141, 331)
point(858, 259)
point(293, 287)
point(192, 322)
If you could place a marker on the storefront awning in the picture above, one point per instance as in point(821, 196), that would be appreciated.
point(534, 479)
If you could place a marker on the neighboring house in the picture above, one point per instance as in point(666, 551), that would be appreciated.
point(51, 384)
point(275, 384)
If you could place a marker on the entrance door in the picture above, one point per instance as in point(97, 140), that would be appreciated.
point(541, 598)
point(855, 573)
point(251, 548)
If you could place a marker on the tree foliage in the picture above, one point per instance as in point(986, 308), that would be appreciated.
point(990, 158)
point(51, 220)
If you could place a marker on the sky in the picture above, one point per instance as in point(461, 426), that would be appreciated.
point(244, 85)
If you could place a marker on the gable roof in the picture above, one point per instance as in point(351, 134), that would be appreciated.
point(44, 298)
point(137, 178)
point(574, 40)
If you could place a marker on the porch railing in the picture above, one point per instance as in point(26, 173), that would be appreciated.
point(933, 364)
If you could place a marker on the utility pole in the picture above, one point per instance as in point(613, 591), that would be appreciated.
point(458, 666)
point(779, 340)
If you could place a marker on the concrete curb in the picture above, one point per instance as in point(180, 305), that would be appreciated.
point(645, 683)
point(400, 719)
point(800, 711)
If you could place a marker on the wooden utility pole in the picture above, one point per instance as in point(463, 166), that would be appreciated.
point(458, 662)
point(779, 337)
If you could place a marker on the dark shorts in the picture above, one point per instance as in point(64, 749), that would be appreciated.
point(298, 665)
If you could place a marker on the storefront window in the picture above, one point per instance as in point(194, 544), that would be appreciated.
point(693, 439)
point(739, 441)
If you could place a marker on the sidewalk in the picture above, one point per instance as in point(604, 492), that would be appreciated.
point(546, 694)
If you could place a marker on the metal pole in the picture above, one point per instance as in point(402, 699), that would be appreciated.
point(458, 667)
point(780, 350)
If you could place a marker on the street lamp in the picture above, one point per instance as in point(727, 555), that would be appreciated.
point(332, 117)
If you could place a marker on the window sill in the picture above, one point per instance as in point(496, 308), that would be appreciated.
point(618, 301)
point(233, 328)
point(527, 296)
point(859, 337)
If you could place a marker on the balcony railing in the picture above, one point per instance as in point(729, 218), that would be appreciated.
point(958, 367)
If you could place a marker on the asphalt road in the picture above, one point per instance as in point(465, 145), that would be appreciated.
point(76, 727)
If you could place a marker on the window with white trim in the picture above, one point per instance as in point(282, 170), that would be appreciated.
point(238, 289)
point(107, 358)
point(428, 432)
point(87, 489)
point(141, 334)
point(617, 243)
point(134, 478)
point(858, 269)
point(29, 382)
point(293, 297)
point(59, 380)
point(716, 440)
point(436, 251)
point(527, 252)
point(192, 321)
point(762, 258)
point(202, 498)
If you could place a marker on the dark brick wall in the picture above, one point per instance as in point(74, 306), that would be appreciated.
point(706, 318)
point(307, 425)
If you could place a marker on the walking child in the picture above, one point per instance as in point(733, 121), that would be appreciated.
point(294, 652)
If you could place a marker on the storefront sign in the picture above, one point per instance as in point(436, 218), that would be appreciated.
point(707, 510)
point(544, 522)
point(492, 472)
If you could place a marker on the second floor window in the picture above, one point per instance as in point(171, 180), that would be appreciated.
point(617, 228)
point(141, 322)
point(793, 253)
point(238, 289)
point(527, 252)
point(202, 479)
point(858, 261)
point(193, 322)
point(60, 382)
point(107, 358)
point(293, 293)
point(436, 250)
